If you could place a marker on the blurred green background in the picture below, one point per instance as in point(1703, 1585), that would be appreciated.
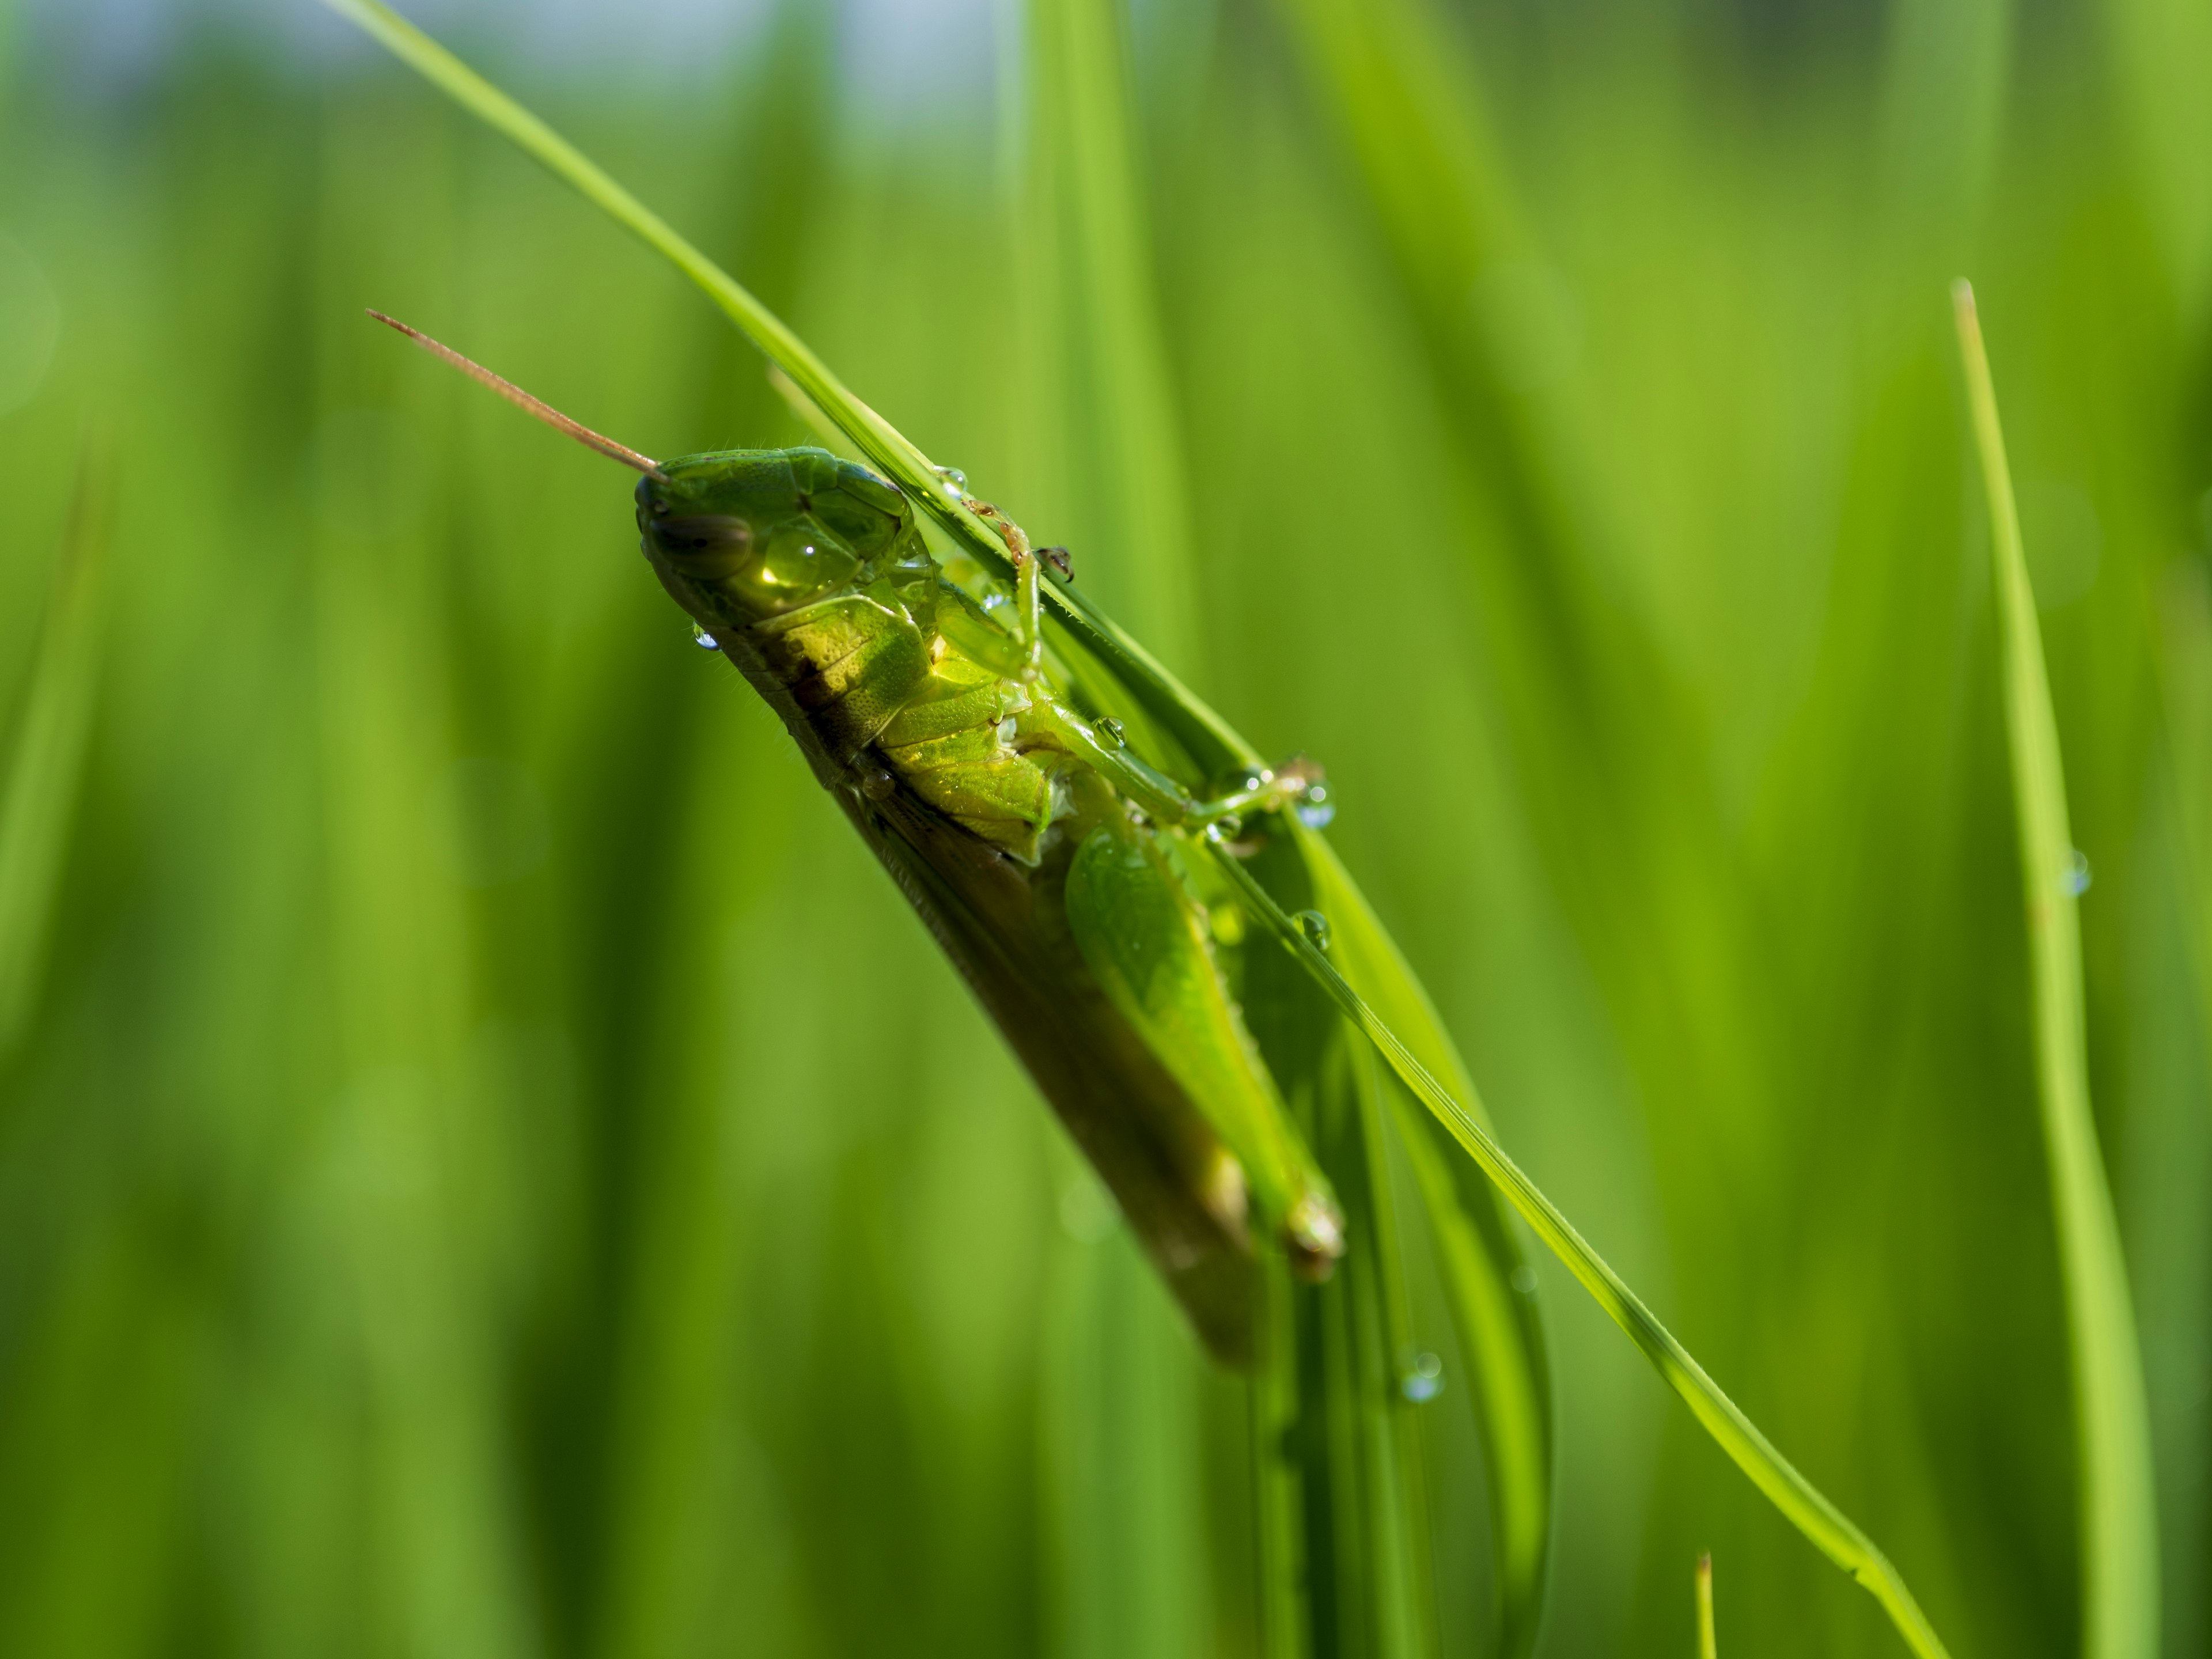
point(489, 1168)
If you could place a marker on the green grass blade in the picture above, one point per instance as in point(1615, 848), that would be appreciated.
point(2117, 1498)
point(1708, 1641)
point(49, 763)
point(1201, 730)
point(1395, 1473)
point(1477, 1257)
point(1830, 1530)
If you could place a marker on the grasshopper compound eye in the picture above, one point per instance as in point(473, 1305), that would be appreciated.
point(704, 546)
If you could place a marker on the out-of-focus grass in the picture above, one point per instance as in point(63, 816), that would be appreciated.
point(2118, 1505)
point(492, 1168)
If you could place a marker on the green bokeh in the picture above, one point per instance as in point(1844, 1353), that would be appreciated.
point(489, 1167)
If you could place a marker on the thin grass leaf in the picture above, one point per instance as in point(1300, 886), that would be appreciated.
point(1197, 728)
point(1395, 1471)
point(1708, 1642)
point(1367, 1538)
point(44, 778)
point(1831, 1531)
point(2117, 1493)
point(1500, 1335)
point(1511, 1392)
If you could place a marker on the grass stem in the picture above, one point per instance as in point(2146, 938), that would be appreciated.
point(2118, 1494)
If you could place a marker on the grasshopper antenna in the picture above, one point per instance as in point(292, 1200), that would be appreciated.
point(522, 400)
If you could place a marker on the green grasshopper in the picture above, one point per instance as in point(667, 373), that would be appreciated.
point(1048, 859)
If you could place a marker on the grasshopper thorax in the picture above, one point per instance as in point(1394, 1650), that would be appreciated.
point(742, 535)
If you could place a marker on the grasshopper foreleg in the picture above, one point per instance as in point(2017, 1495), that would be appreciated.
point(1262, 789)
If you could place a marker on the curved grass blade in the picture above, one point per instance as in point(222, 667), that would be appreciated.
point(1830, 1530)
point(1367, 1546)
point(1481, 1254)
point(1202, 733)
point(49, 763)
point(1477, 1256)
point(2118, 1494)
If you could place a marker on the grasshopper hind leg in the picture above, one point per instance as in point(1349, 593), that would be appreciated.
point(1146, 942)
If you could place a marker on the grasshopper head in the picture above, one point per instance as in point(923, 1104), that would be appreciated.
point(746, 534)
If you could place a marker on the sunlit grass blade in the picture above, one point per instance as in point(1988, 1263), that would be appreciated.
point(1708, 1641)
point(1829, 1529)
point(44, 777)
point(1197, 728)
point(2118, 1494)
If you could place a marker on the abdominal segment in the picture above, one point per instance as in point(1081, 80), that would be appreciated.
point(862, 675)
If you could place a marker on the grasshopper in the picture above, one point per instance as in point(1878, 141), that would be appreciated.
point(1048, 860)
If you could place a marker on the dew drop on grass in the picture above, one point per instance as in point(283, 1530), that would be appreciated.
point(1424, 1379)
point(2076, 880)
point(1524, 1279)
point(1112, 731)
point(1315, 809)
point(1315, 926)
point(955, 477)
point(703, 640)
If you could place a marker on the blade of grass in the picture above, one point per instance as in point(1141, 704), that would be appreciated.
point(1201, 732)
point(49, 763)
point(1510, 1355)
point(1275, 1411)
point(1829, 1529)
point(1394, 1468)
point(2118, 1495)
point(1708, 1644)
point(1479, 1259)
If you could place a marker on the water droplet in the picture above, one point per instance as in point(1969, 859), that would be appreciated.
point(1424, 1379)
point(1524, 1279)
point(878, 784)
point(2076, 879)
point(1226, 829)
point(703, 640)
point(1315, 926)
point(955, 477)
point(1315, 809)
point(1112, 731)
